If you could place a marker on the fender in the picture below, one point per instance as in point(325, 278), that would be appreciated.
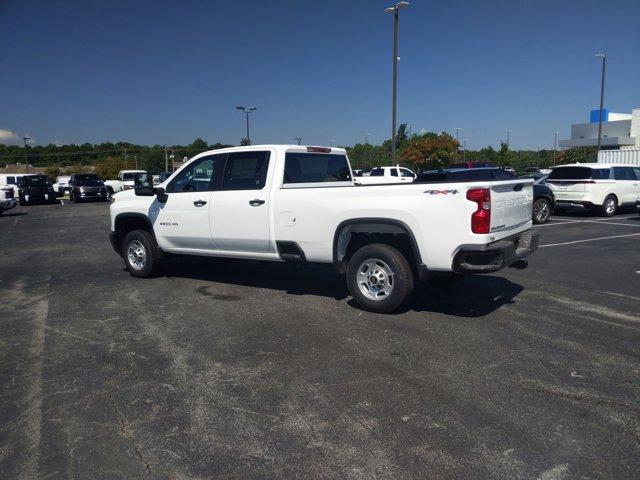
point(133, 216)
point(385, 221)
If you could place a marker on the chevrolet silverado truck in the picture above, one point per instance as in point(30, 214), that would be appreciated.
point(124, 181)
point(290, 203)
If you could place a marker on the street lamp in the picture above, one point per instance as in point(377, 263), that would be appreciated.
point(604, 65)
point(394, 11)
point(26, 139)
point(299, 139)
point(555, 146)
point(246, 111)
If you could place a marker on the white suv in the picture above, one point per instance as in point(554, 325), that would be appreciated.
point(601, 187)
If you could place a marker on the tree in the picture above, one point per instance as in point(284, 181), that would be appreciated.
point(578, 155)
point(430, 151)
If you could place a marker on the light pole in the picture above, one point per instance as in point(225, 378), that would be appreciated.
point(246, 111)
point(394, 11)
point(299, 139)
point(604, 65)
point(26, 139)
point(555, 146)
point(508, 138)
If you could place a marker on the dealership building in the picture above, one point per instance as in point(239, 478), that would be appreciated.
point(619, 131)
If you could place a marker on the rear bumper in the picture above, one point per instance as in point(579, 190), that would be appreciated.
point(497, 255)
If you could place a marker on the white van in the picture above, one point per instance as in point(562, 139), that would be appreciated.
point(600, 187)
point(12, 179)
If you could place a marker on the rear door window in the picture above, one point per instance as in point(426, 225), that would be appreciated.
point(624, 173)
point(308, 168)
point(245, 171)
point(579, 173)
point(394, 172)
point(377, 172)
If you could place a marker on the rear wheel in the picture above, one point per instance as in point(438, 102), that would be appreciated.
point(609, 206)
point(141, 254)
point(541, 211)
point(379, 278)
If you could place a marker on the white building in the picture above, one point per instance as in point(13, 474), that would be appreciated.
point(619, 130)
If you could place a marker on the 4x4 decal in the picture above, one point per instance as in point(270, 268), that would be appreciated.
point(440, 192)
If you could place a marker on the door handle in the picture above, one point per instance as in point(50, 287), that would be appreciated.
point(199, 203)
point(256, 202)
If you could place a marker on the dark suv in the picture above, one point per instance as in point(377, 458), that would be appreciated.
point(35, 189)
point(86, 186)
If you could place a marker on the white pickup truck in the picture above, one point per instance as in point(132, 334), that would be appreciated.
point(125, 181)
point(300, 204)
point(387, 175)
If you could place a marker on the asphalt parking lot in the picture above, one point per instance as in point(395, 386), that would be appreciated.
point(227, 369)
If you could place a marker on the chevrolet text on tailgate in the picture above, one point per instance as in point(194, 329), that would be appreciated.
point(300, 204)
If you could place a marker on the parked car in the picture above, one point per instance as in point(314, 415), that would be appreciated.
point(35, 189)
point(7, 198)
point(13, 179)
point(544, 201)
point(388, 175)
point(62, 185)
point(87, 186)
point(472, 165)
point(599, 187)
point(288, 203)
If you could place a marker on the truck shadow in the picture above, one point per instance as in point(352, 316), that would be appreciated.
point(474, 296)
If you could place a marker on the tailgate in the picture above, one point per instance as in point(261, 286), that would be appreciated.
point(511, 204)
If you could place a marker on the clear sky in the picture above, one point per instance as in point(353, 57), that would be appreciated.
point(167, 72)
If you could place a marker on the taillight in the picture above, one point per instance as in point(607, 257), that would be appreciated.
point(481, 218)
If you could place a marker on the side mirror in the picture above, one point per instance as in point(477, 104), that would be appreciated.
point(143, 185)
point(162, 197)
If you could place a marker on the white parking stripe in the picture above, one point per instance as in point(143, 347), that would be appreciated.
point(557, 223)
point(589, 240)
point(613, 223)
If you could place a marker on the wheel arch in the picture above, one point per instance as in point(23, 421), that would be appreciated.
point(129, 221)
point(372, 225)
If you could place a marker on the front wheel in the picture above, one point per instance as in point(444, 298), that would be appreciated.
point(379, 278)
point(541, 211)
point(141, 254)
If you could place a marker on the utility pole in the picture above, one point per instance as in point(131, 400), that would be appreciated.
point(604, 65)
point(166, 159)
point(555, 146)
point(299, 139)
point(26, 139)
point(394, 11)
point(246, 111)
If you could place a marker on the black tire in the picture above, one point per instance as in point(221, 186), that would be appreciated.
point(541, 211)
point(609, 206)
point(152, 254)
point(385, 259)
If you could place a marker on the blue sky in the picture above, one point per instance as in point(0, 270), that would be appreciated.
point(167, 72)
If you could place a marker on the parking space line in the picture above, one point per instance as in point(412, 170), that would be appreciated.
point(589, 240)
point(557, 223)
point(612, 223)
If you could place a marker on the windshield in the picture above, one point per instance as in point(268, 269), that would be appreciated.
point(88, 180)
point(130, 176)
point(35, 181)
point(579, 173)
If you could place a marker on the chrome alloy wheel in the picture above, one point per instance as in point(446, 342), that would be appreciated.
point(541, 211)
point(137, 255)
point(610, 206)
point(375, 279)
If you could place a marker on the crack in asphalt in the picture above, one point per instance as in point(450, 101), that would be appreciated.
point(127, 432)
